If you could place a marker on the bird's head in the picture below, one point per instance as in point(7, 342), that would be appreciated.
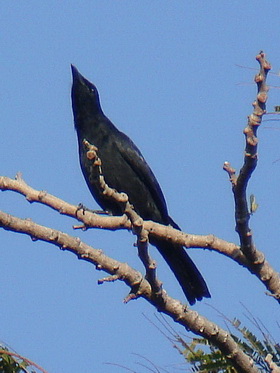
point(85, 97)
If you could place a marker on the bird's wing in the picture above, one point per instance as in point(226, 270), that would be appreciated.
point(133, 157)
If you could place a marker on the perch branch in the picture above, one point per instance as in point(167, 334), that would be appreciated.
point(92, 220)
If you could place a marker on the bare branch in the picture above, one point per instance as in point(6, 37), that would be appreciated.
point(140, 287)
point(95, 164)
point(242, 214)
point(83, 251)
point(257, 263)
point(264, 272)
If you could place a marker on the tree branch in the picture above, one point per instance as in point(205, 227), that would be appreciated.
point(264, 272)
point(95, 165)
point(140, 287)
point(257, 263)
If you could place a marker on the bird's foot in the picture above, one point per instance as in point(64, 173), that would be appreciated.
point(84, 208)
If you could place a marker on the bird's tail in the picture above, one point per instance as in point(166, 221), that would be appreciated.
point(184, 269)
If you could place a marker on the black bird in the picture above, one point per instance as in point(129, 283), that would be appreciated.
point(125, 169)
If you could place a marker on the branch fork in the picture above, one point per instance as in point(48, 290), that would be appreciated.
point(136, 221)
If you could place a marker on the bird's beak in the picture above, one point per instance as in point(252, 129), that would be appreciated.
point(76, 75)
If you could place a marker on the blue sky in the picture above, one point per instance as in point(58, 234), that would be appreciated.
point(167, 76)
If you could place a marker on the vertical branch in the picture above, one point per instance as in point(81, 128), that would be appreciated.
point(257, 263)
point(95, 163)
point(239, 184)
point(242, 215)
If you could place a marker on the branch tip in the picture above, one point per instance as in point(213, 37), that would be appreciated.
point(129, 297)
point(111, 278)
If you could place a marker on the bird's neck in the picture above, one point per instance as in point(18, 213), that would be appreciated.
point(95, 130)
